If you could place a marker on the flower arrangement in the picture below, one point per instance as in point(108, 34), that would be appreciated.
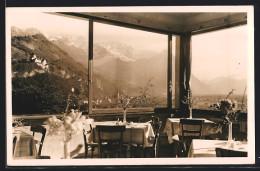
point(17, 123)
point(124, 101)
point(69, 100)
point(188, 101)
point(72, 123)
point(227, 107)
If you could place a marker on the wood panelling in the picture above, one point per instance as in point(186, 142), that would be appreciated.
point(167, 23)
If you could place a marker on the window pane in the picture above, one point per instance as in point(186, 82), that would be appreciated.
point(129, 62)
point(49, 59)
point(219, 65)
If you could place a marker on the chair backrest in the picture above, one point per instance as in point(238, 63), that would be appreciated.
point(191, 128)
point(39, 129)
point(85, 142)
point(221, 152)
point(87, 130)
point(157, 127)
point(156, 145)
point(110, 133)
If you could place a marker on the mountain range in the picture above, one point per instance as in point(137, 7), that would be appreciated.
point(116, 61)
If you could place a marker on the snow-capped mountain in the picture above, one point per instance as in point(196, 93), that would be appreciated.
point(112, 49)
point(118, 50)
point(69, 40)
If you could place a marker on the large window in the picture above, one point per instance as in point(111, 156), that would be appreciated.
point(129, 63)
point(219, 67)
point(49, 63)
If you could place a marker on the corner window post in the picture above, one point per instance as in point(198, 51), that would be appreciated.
point(169, 75)
point(90, 66)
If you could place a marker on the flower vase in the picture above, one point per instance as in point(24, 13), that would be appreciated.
point(66, 149)
point(124, 117)
point(190, 112)
point(230, 132)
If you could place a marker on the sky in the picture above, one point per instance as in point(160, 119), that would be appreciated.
point(57, 25)
point(218, 54)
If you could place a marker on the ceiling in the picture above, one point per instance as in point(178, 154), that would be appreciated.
point(166, 23)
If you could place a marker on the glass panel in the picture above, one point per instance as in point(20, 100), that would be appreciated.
point(49, 60)
point(219, 67)
point(131, 63)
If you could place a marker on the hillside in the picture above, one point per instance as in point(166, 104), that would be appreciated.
point(40, 90)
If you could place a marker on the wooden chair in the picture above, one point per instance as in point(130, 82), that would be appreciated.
point(156, 143)
point(220, 152)
point(91, 145)
point(110, 141)
point(39, 129)
point(191, 129)
point(137, 148)
point(14, 143)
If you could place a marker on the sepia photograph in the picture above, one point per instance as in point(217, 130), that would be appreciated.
point(98, 86)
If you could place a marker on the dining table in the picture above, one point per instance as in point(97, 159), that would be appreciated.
point(26, 146)
point(135, 133)
point(206, 148)
point(173, 127)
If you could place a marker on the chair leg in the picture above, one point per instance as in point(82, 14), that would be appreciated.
point(142, 152)
point(155, 152)
point(176, 148)
point(92, 151)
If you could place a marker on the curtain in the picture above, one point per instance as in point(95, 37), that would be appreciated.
point(185, 72)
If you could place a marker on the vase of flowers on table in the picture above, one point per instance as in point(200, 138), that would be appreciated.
point(16, 124)
point(189, 102)
point(124, 102)
point(67, 126)
point(228, 108)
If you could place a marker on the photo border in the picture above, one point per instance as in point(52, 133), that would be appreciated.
point(250, 102)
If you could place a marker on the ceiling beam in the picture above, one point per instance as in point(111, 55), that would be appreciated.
point(161, 21)
point(217, 24)
point(166, 23)
point(119, 23)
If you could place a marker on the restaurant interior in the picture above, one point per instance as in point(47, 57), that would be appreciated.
point(174, 131)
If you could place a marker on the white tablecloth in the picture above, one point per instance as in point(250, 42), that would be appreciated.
point(173, 127)
point(206, 148)
point(136, 133)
